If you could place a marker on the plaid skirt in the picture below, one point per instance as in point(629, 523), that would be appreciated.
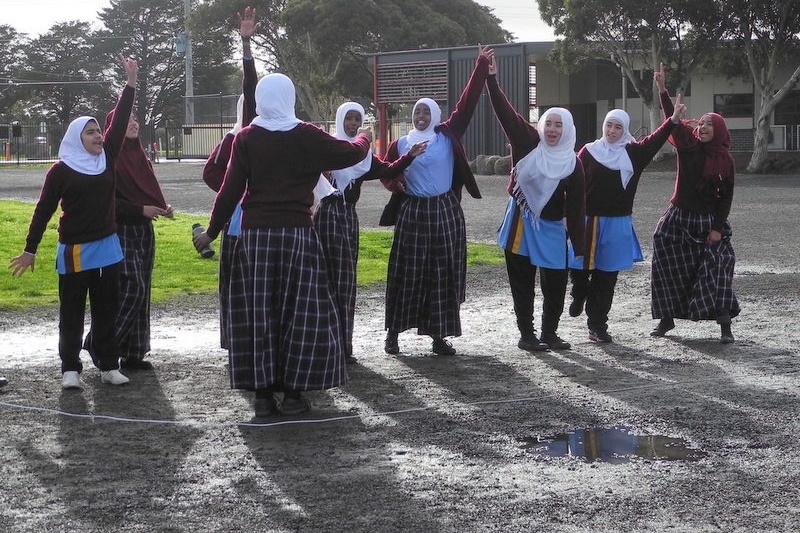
point(135, 281)
point(690, 278)
point(283, 330)
point(336, 223)
point(226, 251)
point(426, 281)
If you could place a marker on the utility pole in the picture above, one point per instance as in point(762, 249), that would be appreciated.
point(189, 99)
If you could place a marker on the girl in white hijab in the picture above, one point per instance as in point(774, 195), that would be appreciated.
point(89, 252)
point(546, 183)
point(336, 219)
point(612, 165)
point(426, 279)
point(275, 164)
point(217, 164)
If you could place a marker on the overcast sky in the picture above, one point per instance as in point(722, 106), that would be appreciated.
point(520, 17)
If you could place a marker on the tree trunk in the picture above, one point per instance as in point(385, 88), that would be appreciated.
point(760, 140)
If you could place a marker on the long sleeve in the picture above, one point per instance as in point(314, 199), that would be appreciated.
point(462, 115)
point(217, 163)
point(45, 207)
point(249, 82)
point(681, 136)
point(522, 136)
point(576, 209)
point(643, 152)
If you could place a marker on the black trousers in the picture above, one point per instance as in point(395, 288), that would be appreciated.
point(102, 286)
point(597, 288)
point(522, 278)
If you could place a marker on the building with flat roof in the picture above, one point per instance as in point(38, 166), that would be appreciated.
point(533, 84)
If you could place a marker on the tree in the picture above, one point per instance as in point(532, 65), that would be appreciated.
point(67, 80)
point(338, 35)
point(767, 31)
point(322, 44)
point(637, 36)
point(12, 58)
point(145, 30)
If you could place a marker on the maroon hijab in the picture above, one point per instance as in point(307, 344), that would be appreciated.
point(136, 181)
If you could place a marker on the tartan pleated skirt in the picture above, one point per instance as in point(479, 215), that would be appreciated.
point(132, 326)
point(336, 223)
point(690, 278)
point(283, 329)
point(426, 281)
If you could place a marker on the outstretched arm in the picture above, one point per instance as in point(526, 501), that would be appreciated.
point(461, 116)
point(247, 28)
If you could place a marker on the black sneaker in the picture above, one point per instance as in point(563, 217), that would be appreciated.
point(132, 363)
point(554, 342)
point(265, 404)
point(390, 345)
point(294, 406)
point(600, 336)
point(576, 307)
point(664, 325)
point(531, 343)
point(442, 347)
point(727, 335)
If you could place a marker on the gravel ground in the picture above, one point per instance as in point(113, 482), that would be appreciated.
point(679, 434)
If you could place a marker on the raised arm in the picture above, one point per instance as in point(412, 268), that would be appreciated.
point(459, 119)
point(115, 134)
point(520, 133)
point(247, 28)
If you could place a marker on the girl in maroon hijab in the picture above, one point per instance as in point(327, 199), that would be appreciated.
point(139, 201)
point(693, 259)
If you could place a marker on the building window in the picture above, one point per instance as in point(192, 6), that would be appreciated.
point(533, 108)
point(734, 105)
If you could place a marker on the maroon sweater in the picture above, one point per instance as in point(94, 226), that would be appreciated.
point(689, 193)
point(378, 170)
point(87, 202)
point(569, 197)
point(605, 196)
point(453, 128)
point(274, 174)
point(217, 163)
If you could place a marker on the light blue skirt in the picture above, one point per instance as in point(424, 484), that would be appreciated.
point(543, 242)
point(611, 245)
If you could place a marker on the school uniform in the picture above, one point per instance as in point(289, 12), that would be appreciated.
point(611, 244)
point(214, 174)
point(426, 279)
point(283, 331)
point(337, 225)
point(89, 251)
point(547, 186)
point(691, 278)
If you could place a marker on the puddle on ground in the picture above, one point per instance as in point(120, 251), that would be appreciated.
point(613, 445)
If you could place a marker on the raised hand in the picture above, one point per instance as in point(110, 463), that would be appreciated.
point(131, 69)
point(659, 78)
point(680, 109)
point(492, 63)
point(247, 22)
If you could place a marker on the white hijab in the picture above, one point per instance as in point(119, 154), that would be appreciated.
point(75, 156)
point(344, 177)
point(539, 172)
point(614, 155)
point(239, 115)
point(428, 134)
point(275, 98)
